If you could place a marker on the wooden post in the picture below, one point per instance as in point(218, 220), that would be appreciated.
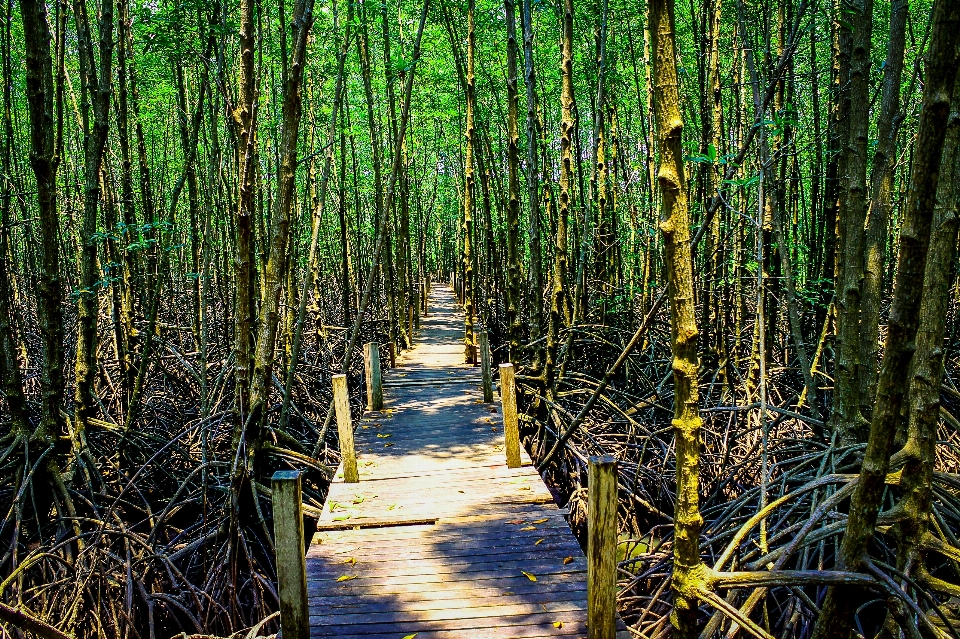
point(426, 294)
point(410, 324)
point(393, 354)
point(371, 365)
point(485, 367)
point(511, 429)
point(291, 562)
point(415, 305)
point(341, 400)
point(602, 548)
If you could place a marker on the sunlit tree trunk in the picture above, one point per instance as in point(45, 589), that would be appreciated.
point(688, 570)
point(559, 297)
point(468, 189)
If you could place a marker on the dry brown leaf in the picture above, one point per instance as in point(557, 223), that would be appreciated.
point(346, 577)
point(567, 560)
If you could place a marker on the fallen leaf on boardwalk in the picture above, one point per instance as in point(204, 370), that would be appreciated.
point(516, 522)
point(460, 491)
point(387, 445)
point(370, 463)
point(346, 577)
point(540, 521)
point(341, 517)
point(567, 560)
point(364, 426)
point(529, 528)
point(538, 542)
point(558, 624)
point(494, 429)
point(411, 636)
point(350, 560)
point(524, 488)
point(528, 575)
point(393, 506)
point(384, 435)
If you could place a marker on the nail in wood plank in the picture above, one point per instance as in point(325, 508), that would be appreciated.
point(511, 428)
point(602, 548)
point(341, 400)
point(291, 562)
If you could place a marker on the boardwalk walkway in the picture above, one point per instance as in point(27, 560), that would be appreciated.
point(440, 539)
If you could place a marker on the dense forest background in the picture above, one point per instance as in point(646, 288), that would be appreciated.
point(697, 230)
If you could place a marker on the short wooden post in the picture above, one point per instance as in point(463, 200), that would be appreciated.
point(341, 400)
point(371, 365)
point(291, 562)
point(426, 294)
point(511, 429)
point(415, 305)
point(602, 548)
point(410, 323)
point(393, 354)
point(485, 367)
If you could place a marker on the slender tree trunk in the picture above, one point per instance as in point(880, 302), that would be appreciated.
point(536, 282)
point(468, 189)
point(278, 258)
point(244, 120)
point(44, 162)
point(559, 298)
point(848, 421)
point(688, 575)
point(98, 87)
point(10, 375)
point(513, 168)
point(878, 214)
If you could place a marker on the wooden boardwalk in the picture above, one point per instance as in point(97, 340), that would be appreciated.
point(440, 539)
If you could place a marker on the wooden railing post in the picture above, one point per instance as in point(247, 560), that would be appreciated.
point(291, 562)
point(371, 366)
point(426, 293)
point(602, 548)
point(410, 324)
point(393, 354)
point(511, 429)
point(485, 367)
point(341, 400)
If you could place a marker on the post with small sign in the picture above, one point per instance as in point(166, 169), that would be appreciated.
point(291, 562)
point(511, 428)
point(602, 548)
